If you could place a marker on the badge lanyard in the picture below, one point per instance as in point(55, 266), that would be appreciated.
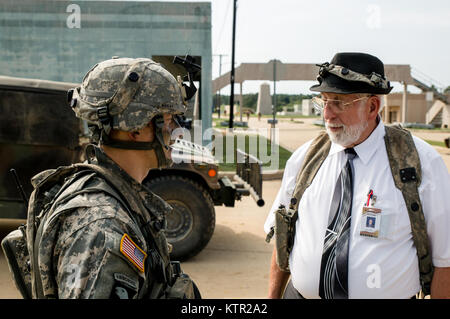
point(371, 217)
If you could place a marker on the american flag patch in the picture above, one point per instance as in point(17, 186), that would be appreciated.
point(132, 252)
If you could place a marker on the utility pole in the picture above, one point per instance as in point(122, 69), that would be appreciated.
point(274, 101)
point(273, 121)
point(220, 73)
point(230, 124)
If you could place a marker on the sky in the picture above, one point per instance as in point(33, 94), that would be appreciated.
point(414, 32)
point(295, 31)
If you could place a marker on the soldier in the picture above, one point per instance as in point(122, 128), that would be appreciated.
point(103, 235)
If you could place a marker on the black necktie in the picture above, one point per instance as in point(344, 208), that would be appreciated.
point(334, 267)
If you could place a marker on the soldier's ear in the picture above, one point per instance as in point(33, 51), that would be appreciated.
point(133, 135)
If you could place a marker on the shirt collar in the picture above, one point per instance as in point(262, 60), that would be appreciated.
point(366, 149)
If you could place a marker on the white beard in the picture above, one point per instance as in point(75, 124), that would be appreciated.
point(349, 133)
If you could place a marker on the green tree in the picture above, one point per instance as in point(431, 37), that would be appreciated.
point(250, 100)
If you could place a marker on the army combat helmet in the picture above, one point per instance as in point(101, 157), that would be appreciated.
point(126, 94)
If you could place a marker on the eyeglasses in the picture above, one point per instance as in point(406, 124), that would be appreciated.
point(166, 124)
point(337, 106)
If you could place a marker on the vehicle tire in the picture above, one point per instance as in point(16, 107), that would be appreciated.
point(191, 224)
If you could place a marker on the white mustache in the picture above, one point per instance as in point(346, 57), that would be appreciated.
point(333, 125)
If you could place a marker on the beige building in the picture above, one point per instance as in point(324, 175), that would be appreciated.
point(416, 108)
point(421, 108)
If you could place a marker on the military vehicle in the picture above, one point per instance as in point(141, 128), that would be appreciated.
point(39, 131)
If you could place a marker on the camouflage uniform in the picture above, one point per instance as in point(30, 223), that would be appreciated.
point(79, 253)
point(93, 231)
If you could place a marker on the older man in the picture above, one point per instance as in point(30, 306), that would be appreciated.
point(366, 202)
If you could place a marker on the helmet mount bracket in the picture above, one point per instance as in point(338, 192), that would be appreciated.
point(192, 68)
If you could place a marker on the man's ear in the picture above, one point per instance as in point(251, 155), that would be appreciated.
point(374, 106)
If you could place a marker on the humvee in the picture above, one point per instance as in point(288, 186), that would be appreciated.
point(39, 131)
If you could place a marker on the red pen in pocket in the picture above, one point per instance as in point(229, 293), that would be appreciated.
point(369, 196)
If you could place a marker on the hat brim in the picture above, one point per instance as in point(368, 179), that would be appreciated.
point(335, 84)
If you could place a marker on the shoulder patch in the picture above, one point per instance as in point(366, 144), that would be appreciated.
point(132, 251)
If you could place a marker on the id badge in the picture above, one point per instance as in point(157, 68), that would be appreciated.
point(370, 221)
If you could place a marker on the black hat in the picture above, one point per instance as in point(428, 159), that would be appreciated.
point(349, 73)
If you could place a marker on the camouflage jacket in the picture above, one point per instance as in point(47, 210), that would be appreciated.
point(94, 246)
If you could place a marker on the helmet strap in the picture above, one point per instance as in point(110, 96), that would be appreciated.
point(163, 161)
point(131, 145)
point(104, 118)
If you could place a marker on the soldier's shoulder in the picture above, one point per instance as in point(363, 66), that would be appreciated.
point(100, 228)
point(91, 212)
point(98, 250)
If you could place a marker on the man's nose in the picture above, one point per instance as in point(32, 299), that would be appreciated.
point(328, 113)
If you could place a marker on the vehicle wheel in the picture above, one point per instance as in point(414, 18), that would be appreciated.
point(191, 224)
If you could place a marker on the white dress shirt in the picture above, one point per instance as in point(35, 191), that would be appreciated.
point(383, 267)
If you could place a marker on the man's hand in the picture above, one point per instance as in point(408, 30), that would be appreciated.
point(277, 278)
point(440, 285)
